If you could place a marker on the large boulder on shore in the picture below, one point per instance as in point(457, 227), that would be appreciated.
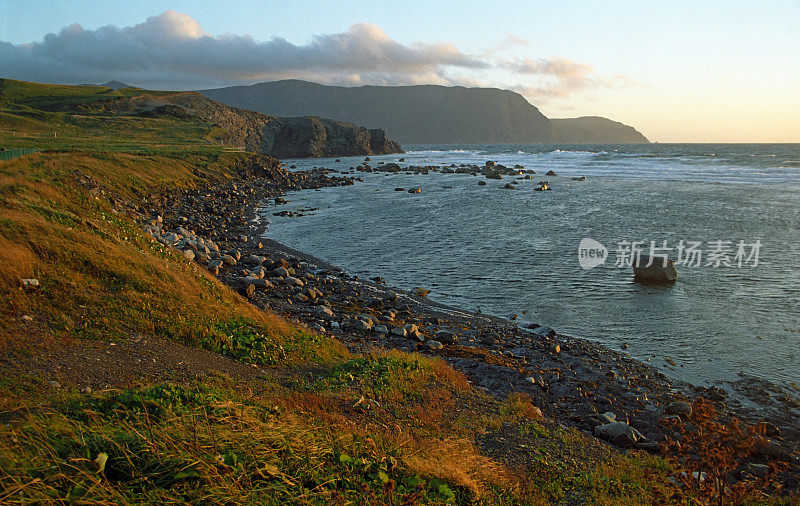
point(656, 270)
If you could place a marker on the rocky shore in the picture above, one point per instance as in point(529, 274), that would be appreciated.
point(576, 382)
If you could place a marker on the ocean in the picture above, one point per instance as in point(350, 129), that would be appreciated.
point(728, 215)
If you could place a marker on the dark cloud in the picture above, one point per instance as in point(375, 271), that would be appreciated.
point(172, 50)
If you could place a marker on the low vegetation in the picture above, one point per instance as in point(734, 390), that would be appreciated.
point(309, 423)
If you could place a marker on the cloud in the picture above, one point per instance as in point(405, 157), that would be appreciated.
point(561, 77)
point(172, 50)
point(509, 42)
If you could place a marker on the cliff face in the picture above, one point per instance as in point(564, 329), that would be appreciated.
point(420, 114)
point(260, 133)
point(589, 129)
point(317, 137)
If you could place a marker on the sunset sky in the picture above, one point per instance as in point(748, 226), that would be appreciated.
point(677, 71)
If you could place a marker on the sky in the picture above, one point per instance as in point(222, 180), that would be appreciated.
point(678, 71)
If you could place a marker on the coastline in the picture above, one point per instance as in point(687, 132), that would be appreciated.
point(577, 382)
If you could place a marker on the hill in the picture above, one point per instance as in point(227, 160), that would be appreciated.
point(419, 114)
point(588, 129)
point(77, 112)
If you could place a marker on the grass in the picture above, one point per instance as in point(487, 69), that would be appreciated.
point(321, 426)
point(212, 441)
point(87, 257)
point(72, 118)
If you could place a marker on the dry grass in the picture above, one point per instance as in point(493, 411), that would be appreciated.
point(223, 449)
point(457, 461)
point(101, 277)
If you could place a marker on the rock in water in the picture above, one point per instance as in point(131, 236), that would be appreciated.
point(655, 271)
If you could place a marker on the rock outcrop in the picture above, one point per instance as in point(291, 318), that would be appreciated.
point(312, 137)
point(269, 135)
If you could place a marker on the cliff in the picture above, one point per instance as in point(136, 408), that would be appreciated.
point(419, 114)
point(259, 133)
point(588, 129)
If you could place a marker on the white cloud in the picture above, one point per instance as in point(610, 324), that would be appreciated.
point(561, 78)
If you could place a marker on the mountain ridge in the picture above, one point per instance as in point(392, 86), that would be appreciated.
point(420, 113)
point(425, 114)
point(595, 129)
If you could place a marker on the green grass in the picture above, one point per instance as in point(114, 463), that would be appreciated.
point(69, 118)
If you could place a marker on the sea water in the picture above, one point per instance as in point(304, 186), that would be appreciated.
point(734, 312)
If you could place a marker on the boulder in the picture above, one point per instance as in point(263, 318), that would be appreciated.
point(281, 272)
point(360, 324)
point(257, 282)
point(679, 408)
point(258, 272)
point(445, 336)
point(399, 331)
point(619, 433)
point(656, 270)
point(29, 283)
point(292, 281)
point(256, 259)
point(416, 335)
point(544, 331)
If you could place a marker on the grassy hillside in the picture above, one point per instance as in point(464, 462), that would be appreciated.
point(294, 417)
point(68, 118)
